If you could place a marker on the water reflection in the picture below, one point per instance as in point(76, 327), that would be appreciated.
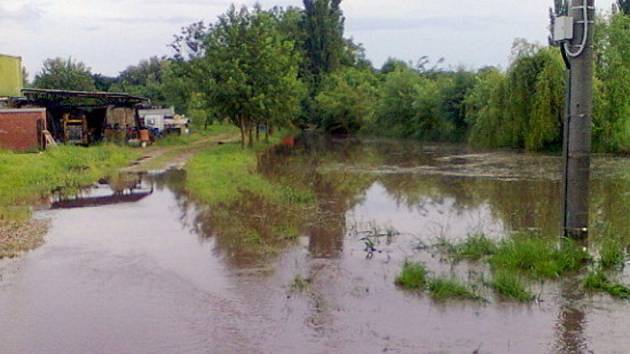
point(512, 191)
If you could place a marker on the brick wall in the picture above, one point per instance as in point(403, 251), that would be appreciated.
point(20, 129)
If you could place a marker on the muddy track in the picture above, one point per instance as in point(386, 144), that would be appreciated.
point(162, 157)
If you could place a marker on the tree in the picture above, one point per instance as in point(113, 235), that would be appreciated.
point(64, 74)
point(249, 70)
point(611, 116)
point(323, 25)
point(346, 101)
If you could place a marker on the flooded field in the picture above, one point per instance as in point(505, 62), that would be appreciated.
point(136, 265)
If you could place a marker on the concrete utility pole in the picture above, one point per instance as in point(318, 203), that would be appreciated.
point(577, 50)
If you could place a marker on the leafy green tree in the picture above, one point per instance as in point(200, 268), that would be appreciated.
point(612, 89)
point(395, 113)
point(249, 70)
point(346, 101)
point(64, 74)
point(323, 25)
point(485, 105)
point(393, 64)
point(546, 115)
point(453, 90)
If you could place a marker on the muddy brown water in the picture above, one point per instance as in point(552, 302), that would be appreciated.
point(136, 266)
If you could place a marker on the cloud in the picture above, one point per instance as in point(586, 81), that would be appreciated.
point(448, 23)
point(26, 12)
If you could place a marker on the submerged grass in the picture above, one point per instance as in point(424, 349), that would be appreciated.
point(509, 285)
point(538, 257)
point(473, 248)
point(412, 276)
point(442, 289)
point(597, 281)
point(612, 254)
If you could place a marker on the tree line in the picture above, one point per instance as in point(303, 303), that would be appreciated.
point(265, 69)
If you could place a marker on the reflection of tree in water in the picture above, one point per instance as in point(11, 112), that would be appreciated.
point(518, 203)
point(253, 227)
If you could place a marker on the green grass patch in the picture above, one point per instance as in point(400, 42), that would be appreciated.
point(224, 174)
point(24, 178)
point(442, 289)
point(598, 281)
point(611, 254)
point(412, 276)
point(473, 248)
point(538, 257)
point(509, 285)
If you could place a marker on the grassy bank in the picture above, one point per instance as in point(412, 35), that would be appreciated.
point(251, 212)
point(27, 178)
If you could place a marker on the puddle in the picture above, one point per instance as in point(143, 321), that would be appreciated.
point(135, 265)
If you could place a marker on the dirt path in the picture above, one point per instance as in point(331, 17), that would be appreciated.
point(161, 157)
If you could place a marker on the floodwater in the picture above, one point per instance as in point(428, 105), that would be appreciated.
point(136, 266)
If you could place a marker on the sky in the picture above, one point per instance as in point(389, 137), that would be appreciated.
point(109, 35)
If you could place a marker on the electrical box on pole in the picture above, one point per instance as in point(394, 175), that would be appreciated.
point(574, 34)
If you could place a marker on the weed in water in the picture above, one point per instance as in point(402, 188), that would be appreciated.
point(412, 276)
point(510, 286)
point(597, 280)
point(611, 254)
point(538, 257)
point(300, 284)
point(449, 288)
point(474, 248)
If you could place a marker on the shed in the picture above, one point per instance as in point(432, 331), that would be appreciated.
point(22, 129)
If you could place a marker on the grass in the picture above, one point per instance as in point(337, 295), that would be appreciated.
point(509, 285)
point(442, 289)
point(225, 174)
point(538, 257)
point(412, 276)
point(300, 284)
point(197, 135)
point(473, 248)
point(612, 254)
point(597, 281)
point(25, 178)
point(253, 206)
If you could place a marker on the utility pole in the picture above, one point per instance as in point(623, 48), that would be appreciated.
point(574, 33)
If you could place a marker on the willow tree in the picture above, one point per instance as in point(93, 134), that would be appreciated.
point(249, 70)
point(612, 86)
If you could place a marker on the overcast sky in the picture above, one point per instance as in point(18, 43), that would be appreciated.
point(109, 35)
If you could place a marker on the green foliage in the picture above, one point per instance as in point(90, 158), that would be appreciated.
point(346, 100)
point(598, 281)
point(485, 105)
point(538, 257)
point(249, 70)
point(523, 109)
point(611, 120)
point(412, 276)
point(624, 6)
point(473, 248)
point(510, 286)
point(450, 288)
point(611, 254)
point(64, 74)
point(323, 26)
